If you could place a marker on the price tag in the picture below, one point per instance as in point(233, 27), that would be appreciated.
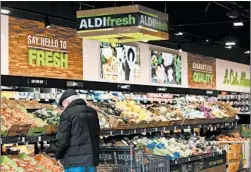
point(175, 127)
point(188, 127)
point(161, 89)
point(39, 138)
point(156, 129)
point(122, 132)
point(123, 87)
point(36, 82)
point(78, 84)
point(23, 139)
point(110, 133)
point(175, 162)
point(134, 131)
point(189, 159)
point(144, 131)
point(200, 157)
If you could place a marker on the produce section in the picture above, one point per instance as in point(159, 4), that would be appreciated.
point(169, 127)
point(25, 163)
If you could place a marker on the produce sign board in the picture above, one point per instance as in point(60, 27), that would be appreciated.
point(234, 156)
point(54, 52)
point(201, 72)
point(232, 76)
point(120, 63)
point(122, 24)
point(165, 68)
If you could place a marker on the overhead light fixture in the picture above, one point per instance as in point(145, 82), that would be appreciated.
point(247, 52)
point(229, 43)
point(233, 14)
point(5, 11)
point(47, 23)
point(238, 24)
point(145, 41)
point(179, 34)
point(229, 47)
point(207, 40)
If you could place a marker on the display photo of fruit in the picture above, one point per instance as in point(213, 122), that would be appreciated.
point(165, 68)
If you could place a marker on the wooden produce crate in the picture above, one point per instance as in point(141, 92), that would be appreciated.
point(36, 131)
point(142, 124)
point(19, 130)
point(188, 122)
point(162, 124)
point(153, 124)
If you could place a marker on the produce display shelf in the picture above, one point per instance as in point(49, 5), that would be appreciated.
point(159, 129)
point(109, 154)
point(33, 139)
point(26, 139)
point(195, 158)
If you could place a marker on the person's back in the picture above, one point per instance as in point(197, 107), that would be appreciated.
point(83, 149)
point(77, 141)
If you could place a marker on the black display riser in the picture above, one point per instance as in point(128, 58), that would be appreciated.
point(22, 81)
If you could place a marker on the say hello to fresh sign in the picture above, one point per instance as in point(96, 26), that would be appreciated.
point(121, 20)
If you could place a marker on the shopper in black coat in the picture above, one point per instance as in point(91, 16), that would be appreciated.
point(77, 140)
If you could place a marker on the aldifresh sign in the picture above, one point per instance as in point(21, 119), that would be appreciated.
point(108, 21)
point(122, 24)
point(232, 76)
point(121, 20)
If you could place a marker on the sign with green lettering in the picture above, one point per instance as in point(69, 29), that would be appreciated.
point(47, 52)
point(232, 76)
point(36, 51)
point(201, 72)
point(121, 20)
point(122, 24)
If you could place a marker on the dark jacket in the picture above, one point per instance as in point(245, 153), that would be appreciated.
point(77, 140)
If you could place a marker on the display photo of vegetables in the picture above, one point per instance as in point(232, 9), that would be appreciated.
point(120, 62)
point(165, 68)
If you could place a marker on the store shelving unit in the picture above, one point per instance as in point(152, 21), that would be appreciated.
point(14, 82)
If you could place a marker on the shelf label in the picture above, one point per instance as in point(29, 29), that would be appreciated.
point(161, 89)
point(36, 82)
point(209, 92)
point(124, 87)
point(78, 84)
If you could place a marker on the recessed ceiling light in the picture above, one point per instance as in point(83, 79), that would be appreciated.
point(247, 52)
point(229, 43)
point(179, 48)
point(47, 22)
point(5, 11)
point(228, 47)
point(178, 33)
point(238, 24)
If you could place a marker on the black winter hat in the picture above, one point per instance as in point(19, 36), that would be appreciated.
point(65, 95)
